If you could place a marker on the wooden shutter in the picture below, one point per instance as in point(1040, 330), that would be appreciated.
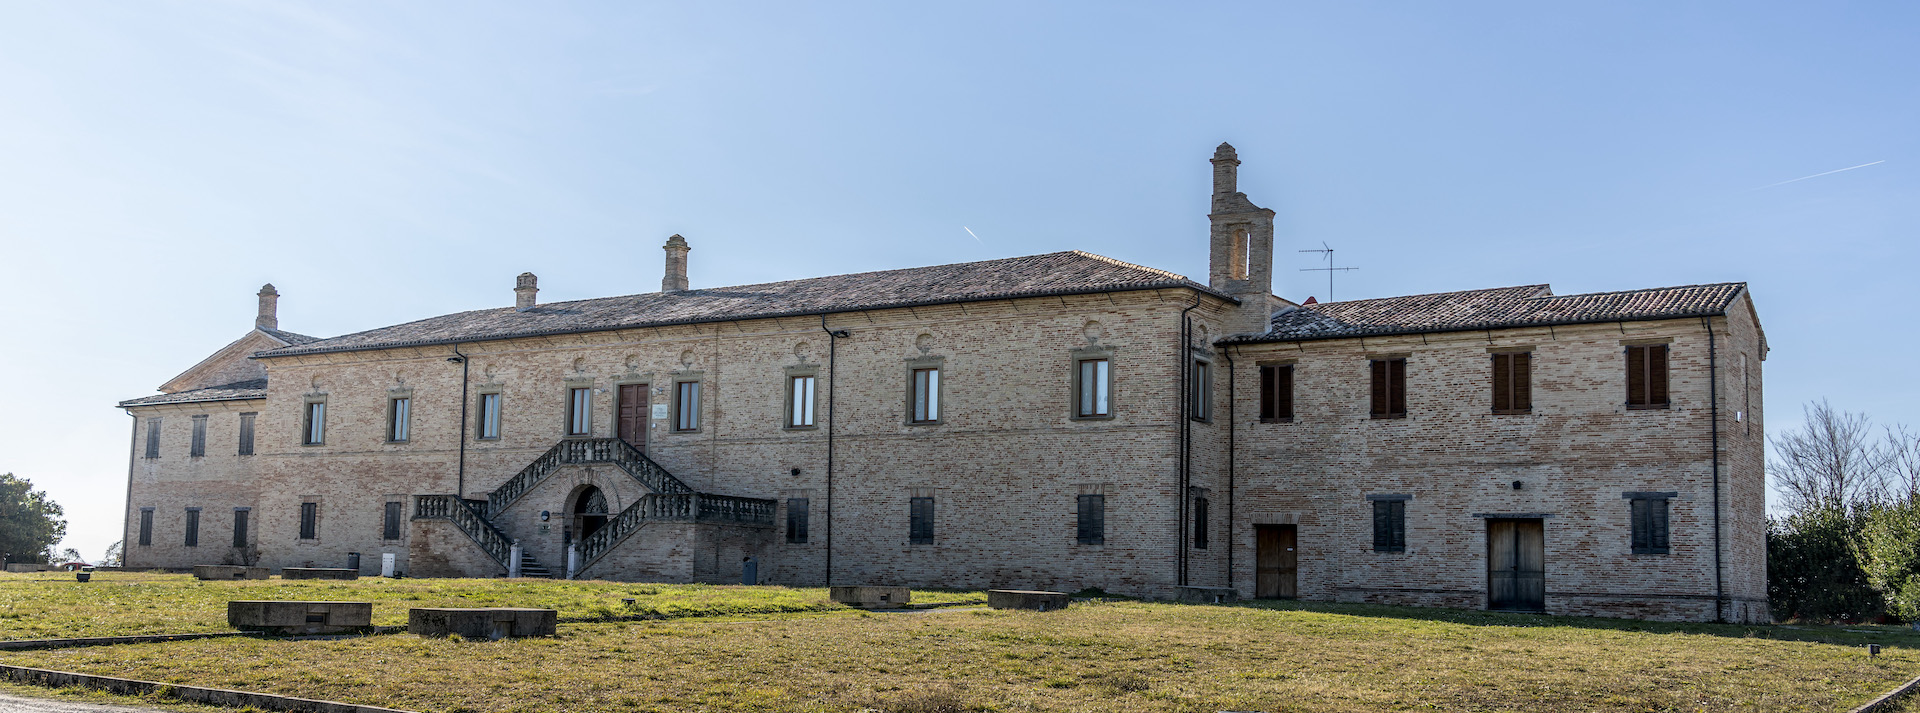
point(1286, 392)
point(1200, 525)
point(1642, 534)
point(1397, 401)
point(1522, 381)
point(240, 528)
point(1398, 513)
point(1092, 529)
point(1382, 525)
point(1269, 393)
point(193, 528)
point(1657, 375)
point(246, 434)
point(1636, 376)
point(1657, 526)
point(391, 531)
point(1502, 383)
point(921, 521)
point(146, 526)
point(1379, 389)
point(309, 520)
point(797, 520)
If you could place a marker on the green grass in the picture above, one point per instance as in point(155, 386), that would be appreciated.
point(1118, 657)
point(42, 606)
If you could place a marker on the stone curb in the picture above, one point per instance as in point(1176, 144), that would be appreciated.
point(1889, 698)
point(195, 694)
point(30, 644)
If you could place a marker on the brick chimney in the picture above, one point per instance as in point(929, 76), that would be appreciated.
point(524, 288)
point(269, 317)
point(676, 279)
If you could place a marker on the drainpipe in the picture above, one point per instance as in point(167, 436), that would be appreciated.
point(833, 359)
point(1713, 396)
point(126, 525)
point(460, 490)
point(1186, 440)
point(1232, 406)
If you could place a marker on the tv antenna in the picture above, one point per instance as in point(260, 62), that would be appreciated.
point(1326, 251)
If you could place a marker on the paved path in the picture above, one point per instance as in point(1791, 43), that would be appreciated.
point(17, 704)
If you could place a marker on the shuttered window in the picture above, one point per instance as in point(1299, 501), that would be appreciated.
point(797, 520)
point(1512, 382)
point(398, 412)
point(146, 526)
point(1649, 526)
point(1200, 525)
point(198, 446)
point(686, 406)
point(1090, 386)
point(1389, 525)
point(489, 416)
point(246, 434)
point(315, 431)
point(920, 521)
point(390, 525)
point(309, 521)
point(193, 527)
point(925, 395)
point(240, 527)
point(1276, 393)
point(1389, 388)
point(153, 438)
point(1200, 391)
point(1092, 529)
point(1647, 376)
point(580, 411)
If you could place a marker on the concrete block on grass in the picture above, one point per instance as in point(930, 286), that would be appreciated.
point(872, 597)
point(482, 623)
point(318, 573)
point(300, 617)
point(214, 572)
point(1020, 599)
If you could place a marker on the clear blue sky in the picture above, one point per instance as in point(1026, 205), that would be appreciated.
point(382, 162)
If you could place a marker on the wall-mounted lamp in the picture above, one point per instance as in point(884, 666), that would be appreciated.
point(455, 360)
point(545, 515)
point(796, 471)
point(1516, 485)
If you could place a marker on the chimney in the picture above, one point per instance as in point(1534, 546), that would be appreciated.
point(676, 279)
point(524, 288)
point(269, 317)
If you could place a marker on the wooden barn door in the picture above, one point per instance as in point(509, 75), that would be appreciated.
point(1516, 565)
point(1276, 564)
point(633, 415)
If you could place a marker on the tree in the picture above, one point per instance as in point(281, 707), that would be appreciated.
point(113, 558)
point(29, 522)
point(1832, 463)
point(1888, 549)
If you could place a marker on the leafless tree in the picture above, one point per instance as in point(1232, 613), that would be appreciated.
point(1900, 462)
point(1833, 462)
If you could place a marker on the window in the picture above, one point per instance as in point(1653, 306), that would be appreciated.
point(1513, 382)
point(1276, 393)
point(1390, 525)
point(800, 402)
point(397, 412)
point(1649, 513)
point(797, 520)
point(146, 526)
point(920, 521)
point(926, 395)
point(1091, 385)
point(1200, 391)
point(309, 521)
point(315, 432)
point(193, 527)
point(686, 406)
point(1647, 376)
point(153, 438)
point(489, 416)
point(1389, 388)
point(1092, 528)
point(390, 526)
point(240, 527)
point(1200, 528)
point(198, 446)
point(580, 411)
point(246, 434)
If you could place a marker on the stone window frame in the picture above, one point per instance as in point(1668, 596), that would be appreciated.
point(307, 426)
point(1374, 502)
point(145, 536)
point(939, 390)
point(197, 446)
point(1292, 369)
point(152, 450)
point(1075, 387)
point(190, 535)
point(396, 421)
point(480, 394)
point(786, 408)
point(701, 397)
point(567, 424)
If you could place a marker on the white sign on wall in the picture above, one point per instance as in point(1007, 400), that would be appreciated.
point(660, 411)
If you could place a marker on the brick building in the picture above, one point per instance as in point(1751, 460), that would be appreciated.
point(1056, 421)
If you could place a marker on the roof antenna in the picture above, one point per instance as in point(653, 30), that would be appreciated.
point(1327, 252)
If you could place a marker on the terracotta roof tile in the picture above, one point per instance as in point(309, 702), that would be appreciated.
point(237, 391)
point(1498, 308)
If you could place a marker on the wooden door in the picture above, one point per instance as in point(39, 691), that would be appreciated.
point(1276, 564)
point(633, 415)
point(1516, 565)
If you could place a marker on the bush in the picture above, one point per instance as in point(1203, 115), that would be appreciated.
point(1813, 569)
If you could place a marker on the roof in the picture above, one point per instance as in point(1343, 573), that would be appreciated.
point(1497, 308)
point(237, 391)
point(288, 337)
point(1061, 273)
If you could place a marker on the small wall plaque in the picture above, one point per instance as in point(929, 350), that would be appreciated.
point(660, 411)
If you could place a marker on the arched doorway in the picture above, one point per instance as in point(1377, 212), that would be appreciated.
point(589, 512)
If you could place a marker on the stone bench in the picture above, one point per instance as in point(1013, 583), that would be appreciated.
point(224, 571)
point(318, 573)
point(1020, 599)
point(300, 617)
point(483, 623)
point(872, 597)
point(1207, 595)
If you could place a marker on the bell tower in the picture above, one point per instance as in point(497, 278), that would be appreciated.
point(1240, 260)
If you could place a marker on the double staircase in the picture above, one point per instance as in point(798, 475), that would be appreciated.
point(669, 499)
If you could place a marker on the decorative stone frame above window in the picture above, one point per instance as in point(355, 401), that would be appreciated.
point(939, 394)
point(1074, 384)
point(674, 380)
point(786, 401)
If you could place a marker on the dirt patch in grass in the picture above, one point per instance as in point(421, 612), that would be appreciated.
point(1116, 657)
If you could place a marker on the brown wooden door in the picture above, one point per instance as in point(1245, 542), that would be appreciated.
point(1276, 564)
point(1516, 565)
point(633, 415)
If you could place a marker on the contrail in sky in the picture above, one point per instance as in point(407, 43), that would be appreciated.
point(1817, 175)
point(976, 238)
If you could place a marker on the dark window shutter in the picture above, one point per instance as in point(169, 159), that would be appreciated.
point(1657, 526)
point(1269, 392)
point(246, 434)
point(921, 524)
point(240, 528)
point(1382, 525)
point(1286, 392)
point(1522, 381)
point(146, 526)
point(1641, 531)
point(1093, 520)
point(1636, 376)
point(193, 528)
point(1200, 526)
point(1379, 388)
point(797, 520)
point(1397, 404)
point(1397, 538)
point(1657, 375)
point(392, 529)
point(1502, 382)
point(309, 520)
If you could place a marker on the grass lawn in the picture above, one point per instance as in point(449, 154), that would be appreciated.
point(1122, 656)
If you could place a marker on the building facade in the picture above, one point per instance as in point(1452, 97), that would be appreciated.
point(1059, 421)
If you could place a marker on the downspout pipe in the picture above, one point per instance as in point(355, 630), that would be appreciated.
point(126, 525)
point(1232, 407)
point(833, 360)
point(1713, 397)
point(1182, 475)
point(460, 489)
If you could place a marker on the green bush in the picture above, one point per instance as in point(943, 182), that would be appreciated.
point(1814, 571)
